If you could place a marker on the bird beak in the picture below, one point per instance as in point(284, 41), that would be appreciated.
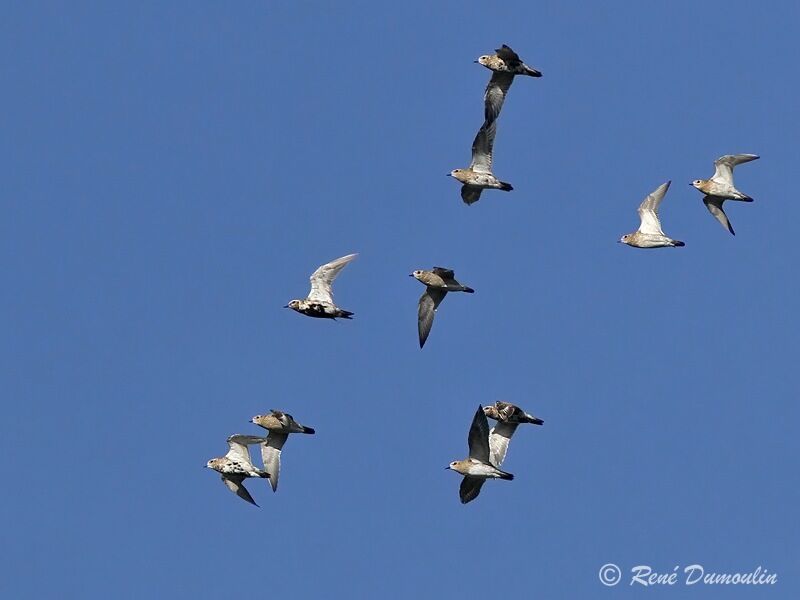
point(447, 467)
point(286, 306)
point(410, 274)
point(475, 61)
point(619, 241)
point(449, 175)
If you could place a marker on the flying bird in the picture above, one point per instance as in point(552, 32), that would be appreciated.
point(280, 425)
point(478, 176)
point(504, 64)
point(236, 465)
point(320, 302)
point(508, 417)
point(437, 282)
point(720, 187)
point(477, 468)
point(650, 234)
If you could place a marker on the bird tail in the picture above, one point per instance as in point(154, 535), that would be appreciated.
point(506, 187)
point(469, 290)
point(506, 476)
point(532, 72)
point(345, 314)
point(308, 429)
point(677, 243)
point(534, 420)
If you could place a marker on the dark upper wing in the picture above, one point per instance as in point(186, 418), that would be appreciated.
point(470, 194)
point(444, 273)
point(470, 488)
point(509, 57)
point(478, 438)
point(449, 278)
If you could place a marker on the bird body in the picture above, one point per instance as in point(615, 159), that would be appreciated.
point(236, 465)
point(508, 417)
point(319, 303)
point(438, 282)
point(509, 413)
point(650, 234)
point(505, 64)
point(280, 422)
point(505, 60)
point(478, 176)
point(720, 187)
point(280, 425)
point(477, 468)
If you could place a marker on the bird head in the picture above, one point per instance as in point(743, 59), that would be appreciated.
point(293, 304)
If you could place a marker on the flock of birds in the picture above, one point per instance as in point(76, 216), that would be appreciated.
point(487, 448)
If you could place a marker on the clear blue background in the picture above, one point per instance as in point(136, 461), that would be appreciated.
point(173, 172)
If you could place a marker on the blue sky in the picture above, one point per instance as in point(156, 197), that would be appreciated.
point(172, 173)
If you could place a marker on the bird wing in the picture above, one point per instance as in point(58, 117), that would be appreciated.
point(470, 488)
point(428, 303)
point(234, 484)
point(504, 409)
point(495, 95)
point(499, 438)
point(482, 149)
point(509, 57)
point(714, 206)
point(322, 279)
point(448, 276)
point(237, 447)
point(271, 456)
point(478, 438)
point(470, 194)
point(443, 272)
point(723, 166)
point(648, 211)
point(283, 418)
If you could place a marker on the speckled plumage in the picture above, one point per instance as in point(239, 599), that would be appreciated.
point(319, 303)
point(236, 465)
